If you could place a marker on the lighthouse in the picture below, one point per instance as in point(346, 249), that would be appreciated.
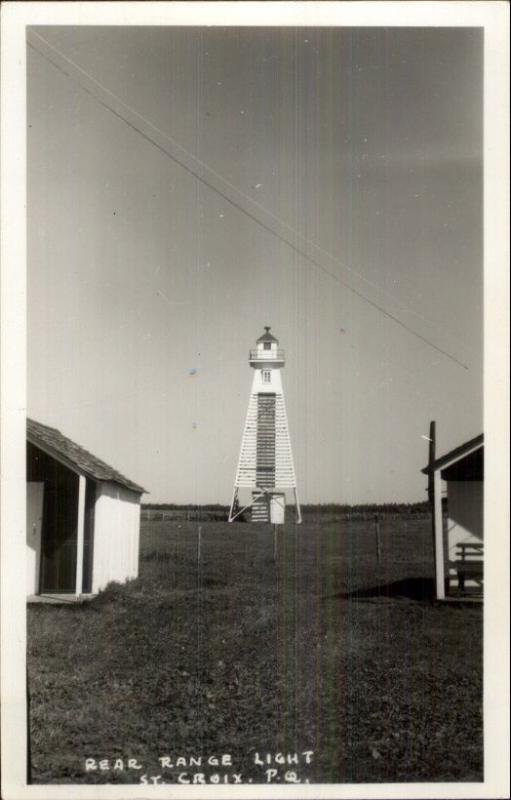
point(265, 467)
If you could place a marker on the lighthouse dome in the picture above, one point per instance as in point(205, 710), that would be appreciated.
point(267, 336)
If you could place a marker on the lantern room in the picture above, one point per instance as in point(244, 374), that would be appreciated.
point(267, 352)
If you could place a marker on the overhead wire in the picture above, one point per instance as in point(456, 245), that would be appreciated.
point(220, 185)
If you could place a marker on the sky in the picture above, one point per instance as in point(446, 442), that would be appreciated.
point(146, 288)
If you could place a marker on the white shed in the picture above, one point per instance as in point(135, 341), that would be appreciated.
point(83, 518)
point(459, 539)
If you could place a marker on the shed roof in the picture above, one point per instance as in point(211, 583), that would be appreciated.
point(55, 443)
point(267, 336)
point(459, 453)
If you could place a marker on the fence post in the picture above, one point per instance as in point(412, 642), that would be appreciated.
point(378, 538)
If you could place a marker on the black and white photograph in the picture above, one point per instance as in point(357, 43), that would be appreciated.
point(253, 526)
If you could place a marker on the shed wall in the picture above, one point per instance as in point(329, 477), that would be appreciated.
point(116, 535)
point(464, 519)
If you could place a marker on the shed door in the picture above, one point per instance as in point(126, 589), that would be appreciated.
point(35, 498)
point(58, 552)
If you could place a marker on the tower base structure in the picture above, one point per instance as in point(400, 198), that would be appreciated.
point(265, 506)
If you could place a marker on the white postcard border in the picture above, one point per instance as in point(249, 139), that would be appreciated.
point(494, 17)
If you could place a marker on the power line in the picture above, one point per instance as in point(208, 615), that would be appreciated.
point(234, 196)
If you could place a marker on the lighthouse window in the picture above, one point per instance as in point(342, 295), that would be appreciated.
point(267, 376)
point(267, 346)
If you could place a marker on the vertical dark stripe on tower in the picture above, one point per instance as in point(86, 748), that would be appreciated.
point(265, 441)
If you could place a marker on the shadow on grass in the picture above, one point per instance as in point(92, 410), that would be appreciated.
point(418, 589)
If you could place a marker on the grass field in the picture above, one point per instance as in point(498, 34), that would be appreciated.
point(323, 650)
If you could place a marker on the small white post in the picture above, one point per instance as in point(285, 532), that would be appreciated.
point(298, 509)
point(80, 535)
point(439, 536)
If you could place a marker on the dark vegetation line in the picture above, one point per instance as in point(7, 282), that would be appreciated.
point(408, 508)
point(219, 512)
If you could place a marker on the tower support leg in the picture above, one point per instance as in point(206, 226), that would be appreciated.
point(233, 502)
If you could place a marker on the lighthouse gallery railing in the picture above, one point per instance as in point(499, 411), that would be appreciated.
point(266, 355)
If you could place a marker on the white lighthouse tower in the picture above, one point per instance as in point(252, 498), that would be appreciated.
point(265, 467)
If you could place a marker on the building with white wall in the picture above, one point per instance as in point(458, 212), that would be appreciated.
point(459, 538)
point(83, 518)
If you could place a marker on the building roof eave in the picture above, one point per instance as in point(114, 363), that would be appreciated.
point(455, 455)
point(76, 458)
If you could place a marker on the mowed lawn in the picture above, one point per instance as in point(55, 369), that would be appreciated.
point(322, 650)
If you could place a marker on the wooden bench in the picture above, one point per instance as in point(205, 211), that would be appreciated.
point(469, 562)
